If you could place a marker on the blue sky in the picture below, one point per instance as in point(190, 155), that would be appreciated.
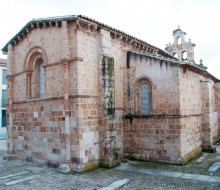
point(150, 20)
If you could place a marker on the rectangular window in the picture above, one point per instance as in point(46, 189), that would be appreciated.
point(4, 124)
point(4, 97)
point(4, 75)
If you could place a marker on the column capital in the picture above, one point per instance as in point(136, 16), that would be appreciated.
point(10, 78)
point(66, 64)
point(28, 73)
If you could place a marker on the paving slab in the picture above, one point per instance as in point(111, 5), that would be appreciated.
point(188, 176)
point(196, 177)
point(214, 167)
point(116, 184)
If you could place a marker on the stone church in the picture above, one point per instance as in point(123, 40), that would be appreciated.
point(83, 94)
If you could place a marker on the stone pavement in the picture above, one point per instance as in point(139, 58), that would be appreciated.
point(132, 175)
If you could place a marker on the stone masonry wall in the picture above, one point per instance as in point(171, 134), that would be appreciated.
point(155, 136)
point(217, 94)
point(152, 138)
point(90, 110)
point(38, 130)
point(197, 98)
point(164, 78)
point(190, 135)
point(47, 38)
point(84, 130)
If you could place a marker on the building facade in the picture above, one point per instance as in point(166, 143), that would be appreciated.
point(83, 93)
point(3, 89)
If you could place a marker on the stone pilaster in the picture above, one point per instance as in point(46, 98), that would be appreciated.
point(107, 131)
point(10, 60)
point(67, 111)
point(207, 136)
point(217, 93)
point(65, 56)
point(66, 167)
point(65, 50)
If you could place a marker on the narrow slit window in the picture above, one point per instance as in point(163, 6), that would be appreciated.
point(145, 99)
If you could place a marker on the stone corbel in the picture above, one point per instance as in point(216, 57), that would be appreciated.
point(28, 73)
point(19, 38)
point(38, 25)
point(10, 78)
point(146, 48)
point(113, 35)
point(130, 42)
point(10, 47)
point(93, 28)
point(185, 68)
point(79, 26)
point(88, 26)
point(44, 25)
point(135, 44)
point(126, 40)
point(27, 30)
point(120, 37)
point(32, 26)
point(66, 64)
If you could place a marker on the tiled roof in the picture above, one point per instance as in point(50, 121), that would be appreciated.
point(3, 61)
point(76, 17)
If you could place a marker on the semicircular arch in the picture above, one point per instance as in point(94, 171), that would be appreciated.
point(32, 55)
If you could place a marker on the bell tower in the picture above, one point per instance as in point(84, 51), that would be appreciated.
point(181, 49)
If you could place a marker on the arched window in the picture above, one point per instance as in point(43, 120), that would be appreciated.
point(184, 56)
point(143, 96)
point(39, 78)
point(145, 99)
point(35, 60)
point(178, 40)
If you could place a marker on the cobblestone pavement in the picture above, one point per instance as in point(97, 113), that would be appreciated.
point(22, 175)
